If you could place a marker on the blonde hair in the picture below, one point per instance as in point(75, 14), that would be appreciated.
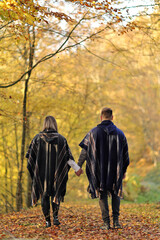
point(50, 123)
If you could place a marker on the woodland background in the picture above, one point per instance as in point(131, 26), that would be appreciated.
point(70, 62)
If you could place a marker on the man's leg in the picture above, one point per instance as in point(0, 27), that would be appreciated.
point(55, 208)
point(103, 202)
point(45, 203)
point(115, 210)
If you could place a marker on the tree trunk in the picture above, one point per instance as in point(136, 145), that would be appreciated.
point(16, 140)
point(19, 199)
point(29, 180)
point(6, 169)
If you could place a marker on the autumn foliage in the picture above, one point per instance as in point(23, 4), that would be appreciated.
point(83, 222)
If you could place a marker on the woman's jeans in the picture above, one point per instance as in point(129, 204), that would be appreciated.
point(45, 203)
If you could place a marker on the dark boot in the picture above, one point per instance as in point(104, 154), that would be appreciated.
point(106, 224)
point(116, 223)
point(48, 222)
point(56, 221)
point(55, 214)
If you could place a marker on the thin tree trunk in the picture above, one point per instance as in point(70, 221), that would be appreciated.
point(29, 180)
point(10, 173)
point(19, 199)
point(6, 168)
point(11, 185)
point(16, 139)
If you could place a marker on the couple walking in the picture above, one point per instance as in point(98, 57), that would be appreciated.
point(105, 151)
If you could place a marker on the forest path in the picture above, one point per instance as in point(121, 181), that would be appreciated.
point(80, 221)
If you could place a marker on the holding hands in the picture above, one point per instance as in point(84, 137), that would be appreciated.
point(79, 172)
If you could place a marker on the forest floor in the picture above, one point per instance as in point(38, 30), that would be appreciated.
point(83, 221)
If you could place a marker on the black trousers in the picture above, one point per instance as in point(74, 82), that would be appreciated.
point(103, 202)
point(45, 203)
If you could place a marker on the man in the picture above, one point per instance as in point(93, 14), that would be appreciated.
point(105, 150)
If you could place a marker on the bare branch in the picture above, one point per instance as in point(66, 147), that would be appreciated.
point(45, 57)
point(137, 6)
point(106, 60)
point(6, 24)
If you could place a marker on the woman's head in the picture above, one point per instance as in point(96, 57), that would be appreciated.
point(50, 123)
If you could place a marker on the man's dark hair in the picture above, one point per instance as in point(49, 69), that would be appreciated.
point(106, 112)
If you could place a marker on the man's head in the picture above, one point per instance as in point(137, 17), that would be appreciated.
point(106, 114)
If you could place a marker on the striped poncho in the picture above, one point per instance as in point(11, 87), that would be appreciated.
point(47, 156)
point(107, 158)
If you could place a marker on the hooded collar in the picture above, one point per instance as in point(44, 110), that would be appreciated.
point(109, 126)
point(49, 131)
point(48, 135)
point(106, 122)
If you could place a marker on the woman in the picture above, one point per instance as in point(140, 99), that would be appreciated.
point(49, 160)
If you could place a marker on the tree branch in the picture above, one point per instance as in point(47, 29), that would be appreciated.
point(47, 56)
point(137, 6)
point(6, 24)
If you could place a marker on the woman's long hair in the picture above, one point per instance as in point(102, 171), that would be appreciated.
point(50, 123)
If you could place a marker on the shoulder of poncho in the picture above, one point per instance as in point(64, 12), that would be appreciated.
point(94, 130)
point(62, 137)
point(36, 137)
point(120, 132)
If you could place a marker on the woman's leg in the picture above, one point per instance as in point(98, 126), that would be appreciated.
point(45, 203)
point(55, 208)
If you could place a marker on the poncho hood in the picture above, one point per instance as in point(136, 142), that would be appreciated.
point(48, 135)
point(108, 126)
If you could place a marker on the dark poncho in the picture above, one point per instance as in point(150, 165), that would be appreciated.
point(107, 158)
point(47, 163)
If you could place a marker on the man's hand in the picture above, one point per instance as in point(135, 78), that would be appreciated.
point(79, 172)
